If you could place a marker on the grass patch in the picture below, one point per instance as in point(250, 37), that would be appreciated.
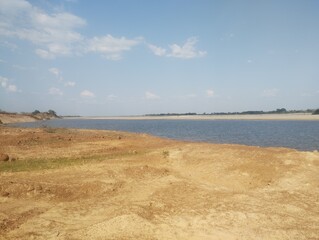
point(44, 164)
point(165, 153)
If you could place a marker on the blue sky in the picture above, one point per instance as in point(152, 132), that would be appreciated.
point(126, 57)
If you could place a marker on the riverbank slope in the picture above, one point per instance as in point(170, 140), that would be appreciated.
point(25, 117)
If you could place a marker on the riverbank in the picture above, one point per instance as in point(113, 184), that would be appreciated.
point(6, 118)
point(287, 116)
point(89, 184)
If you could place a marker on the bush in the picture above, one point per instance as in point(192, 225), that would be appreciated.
point(165, 154)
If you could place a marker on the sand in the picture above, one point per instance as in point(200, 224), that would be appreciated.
point(88, 184)
point(14, 118)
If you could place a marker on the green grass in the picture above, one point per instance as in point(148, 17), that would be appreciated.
point(43, 164)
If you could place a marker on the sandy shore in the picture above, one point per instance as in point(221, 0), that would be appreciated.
point(14, 118)
point(89, 184)
point(292, 116)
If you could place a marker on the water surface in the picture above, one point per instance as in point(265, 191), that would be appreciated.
point(302, 135)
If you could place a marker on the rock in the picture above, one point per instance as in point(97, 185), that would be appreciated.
point(1, 122)
point(4, 157)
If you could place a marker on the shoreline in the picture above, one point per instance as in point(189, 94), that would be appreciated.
point(288, 116)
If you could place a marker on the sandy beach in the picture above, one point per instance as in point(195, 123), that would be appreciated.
point(89, 184)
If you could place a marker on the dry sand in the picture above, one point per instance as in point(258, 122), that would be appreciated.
point(14, 118)
point(89, 184)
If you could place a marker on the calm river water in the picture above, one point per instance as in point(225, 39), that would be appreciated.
point(302, 135)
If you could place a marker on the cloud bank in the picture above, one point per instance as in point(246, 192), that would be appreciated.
point(57, 34)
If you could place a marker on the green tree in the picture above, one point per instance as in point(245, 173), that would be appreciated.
point(316, 112)
point(52, 113)
point(281, 110)
point(35, 112)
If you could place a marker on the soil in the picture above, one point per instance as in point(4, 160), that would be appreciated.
point(118, 185)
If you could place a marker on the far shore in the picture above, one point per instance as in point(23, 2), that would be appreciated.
point(288, 116)
point(14, 118)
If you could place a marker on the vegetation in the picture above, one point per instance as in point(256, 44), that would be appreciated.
point(277, 111)
point(165, 153)
point(35, 112)
point(316, 112)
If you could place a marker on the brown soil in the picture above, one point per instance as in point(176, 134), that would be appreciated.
point(86, 184)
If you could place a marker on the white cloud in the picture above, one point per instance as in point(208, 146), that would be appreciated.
point(87, 93)
point(55, 91)
point(111, 47)
point(158, 51)
point(4, 82)
point(210, 93)
point(12, 88)
point(44, 54)
point(186, 51)
point(54, 33)
point(55, 71)
point(69, 84)
point(270, 92)
point(149, 95)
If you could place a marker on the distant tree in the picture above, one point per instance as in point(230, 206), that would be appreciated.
point(35, 112)
point(52, 113)
point(316, 112)
point(281, 110)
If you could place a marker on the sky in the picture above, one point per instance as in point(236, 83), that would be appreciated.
point(124, 57)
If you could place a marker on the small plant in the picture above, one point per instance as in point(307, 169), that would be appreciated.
point(165, 153)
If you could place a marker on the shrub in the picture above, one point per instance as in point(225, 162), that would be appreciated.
point(165, 154)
